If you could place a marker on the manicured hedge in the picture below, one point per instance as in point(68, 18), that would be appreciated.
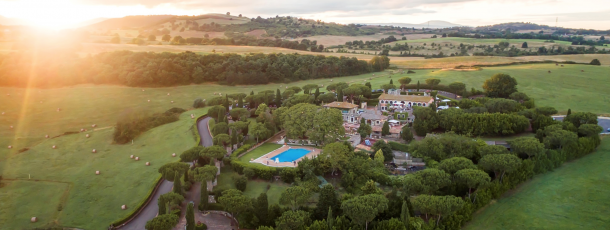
point(262, 171)
point(241, 150)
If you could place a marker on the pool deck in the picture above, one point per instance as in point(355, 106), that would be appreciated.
point(266, 159)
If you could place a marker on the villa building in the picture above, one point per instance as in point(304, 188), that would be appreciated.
point(350, 111)
point(394, 100)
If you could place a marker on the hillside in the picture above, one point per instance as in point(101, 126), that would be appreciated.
point(428, 24)
point(129, 22)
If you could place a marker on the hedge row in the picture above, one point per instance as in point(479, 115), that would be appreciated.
point(241, 150)
point(399, 146)
point(261, 171)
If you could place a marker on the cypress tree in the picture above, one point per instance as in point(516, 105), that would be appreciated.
point(411, 213)
point(226, 103)
point(162, 208)
point(569, 112)
point(391, 82)
point(404, 215)
point(190, 217)
point(417, 86)
point(203, 204)
point(186, 175)
point(340, 95)
point(261, 209)
point(316, 94)
point(240, 102)
point(252, 92)
point(385, 129)
point(329, 219)
point(369, 85)
point(278, 98)
point(177, 185)
point(234, 139)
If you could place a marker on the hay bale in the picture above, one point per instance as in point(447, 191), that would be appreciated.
point(172, 101)
point(173, 154)
point(561, 65)
point(131, 156)
point(582, 70)
point(147, 163)
point(94, 151)
point(97, 172)
point(2, 113)
point(46, 136)
point(148, 100)
point(58, 109)
point(54, 147)
point(142, 90)
point(34, 219)
point(167, 94)
point(331, 79)
point(93, 126)
point(82, 130)
point(137, 158)
point(87, 136)
point(10, 127)
point(123, 207)
point(549, 71)
point(10, 146)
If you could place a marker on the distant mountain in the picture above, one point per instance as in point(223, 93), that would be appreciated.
point(11, 21)
point(428, 24)
point(130, 22)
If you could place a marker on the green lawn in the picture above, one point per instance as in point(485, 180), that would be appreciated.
point(564, 88)
point(254, 187)
point(91, 201)
point(575, 196)
point(259, 151)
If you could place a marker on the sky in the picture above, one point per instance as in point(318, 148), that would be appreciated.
point(58, 14)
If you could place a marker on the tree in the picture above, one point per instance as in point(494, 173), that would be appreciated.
point(166, 38)
point(454, 164)
point(569, 112)
point(437, 205)
point(589, 130)
point(379, 157)
point(329, 219)
point(295, 196)
point(426, 181)
point(337, 154)
point(162, 222)
point(417, 86)
point(404, 81)
point(190, 217)
point(500, 85)
point(220, 128)
point(337, 86)
point(473, 178)
point(406, 134)
point(177, 184)
point(152, 37)
point(500, 164)
point(309, 87)
point(385, 129)
point(595, 62)
point(316, 94)
point(259, 130)
point(385, 148)
point(327, 202)
point(278, 98)
point(115, 40)
point(162, 206)
point(405, 215)
point(519, 97)
point(293, 220)
point(524, 45)
point(235, 202)
point(213, 152)
point(457, 87)
point(387, 87)
point(192, 154)
point(432, 82)
point(351, 92)
point(580, 118)
point(365, 129)
point(222, 139)
point(370, 187)
point(297, 99)
point(363, 209)
point(327, 97)
point(391, 224)
point(203, 203)
point(261, 209)
point(205, 173)
point(170, 170)
point(526, 146)
point(240, 114)
point(328, 126)
point(340, 95)
point(493, 149)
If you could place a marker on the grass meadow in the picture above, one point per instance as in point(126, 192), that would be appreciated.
point(254, 187)
point(59, 186)
point(574, 196)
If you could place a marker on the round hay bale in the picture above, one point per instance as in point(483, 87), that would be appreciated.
point(172, 101)
point(58, 109)
point(549, 71)
point(82, 130)
point(94, 151)
point(167, 94)
point(34, 219)
point(556, 64)
point(582, 70)
point(173, 154)
point(54, 147)
point(137, 158)
point(131, 156)
point(10, 127)
point(331, 79)
point(123, 207)
point(93, 126)
point(87, 136)
point(2, 113)
point(10, 146)
point(46, 136)
point(561, 65)
point(147, 163)
point(97, 172)
point(148, 100)
point(142, 90)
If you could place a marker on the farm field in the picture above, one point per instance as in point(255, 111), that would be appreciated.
point(331, 40)
point(59, 186)
point(574, 196)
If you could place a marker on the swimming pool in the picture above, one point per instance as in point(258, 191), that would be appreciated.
point(291, 155)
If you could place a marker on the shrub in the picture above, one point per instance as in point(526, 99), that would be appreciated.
point(131, 125)
point(249, 173)
point(198, 103)
point(595, 62)
point(288, 174)
point(240, 182)
point(201, 226)
point(399, 147)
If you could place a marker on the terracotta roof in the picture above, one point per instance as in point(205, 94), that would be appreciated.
point(341, 105)
point(411, 98)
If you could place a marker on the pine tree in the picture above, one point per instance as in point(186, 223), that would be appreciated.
point(340, 95)
point(203, 204)
point(385, 130)
point(261, 209)
point(569, 112)
point(278, 98)
point(190, 217)
point(177, 185)
point(162, 208)
point(404, 215)
point(328, 199)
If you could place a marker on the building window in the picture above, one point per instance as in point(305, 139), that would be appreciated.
point(424, 104)
point(377, 122)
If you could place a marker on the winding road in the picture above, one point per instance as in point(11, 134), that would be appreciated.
point(152, 208)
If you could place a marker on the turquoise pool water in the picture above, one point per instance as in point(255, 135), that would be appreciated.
point(291, 155)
